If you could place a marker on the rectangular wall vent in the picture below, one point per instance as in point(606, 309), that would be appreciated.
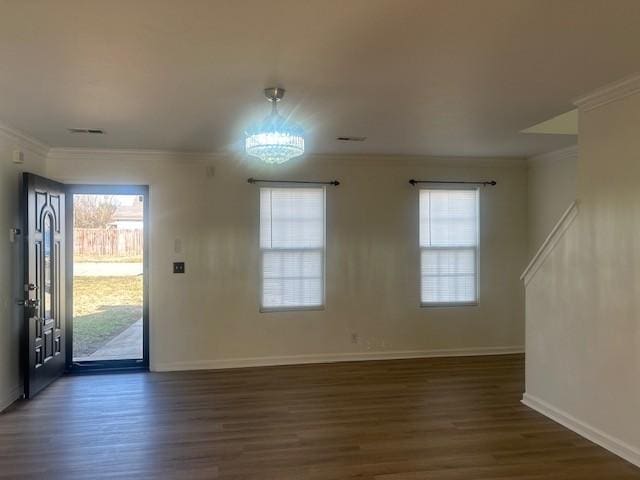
point(351, 139)
point(90, 131)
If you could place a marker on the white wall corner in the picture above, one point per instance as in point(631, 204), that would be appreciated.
point(24, 140)
point(609, 93)
point(568, 153)
point(614, 445)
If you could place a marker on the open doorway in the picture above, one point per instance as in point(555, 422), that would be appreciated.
point(108, 326)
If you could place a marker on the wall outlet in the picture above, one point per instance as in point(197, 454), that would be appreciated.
point(354, 338)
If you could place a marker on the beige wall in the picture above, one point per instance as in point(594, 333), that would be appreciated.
point(10, 256)
point(551, 189)
point(209, 316)
point(583, 305)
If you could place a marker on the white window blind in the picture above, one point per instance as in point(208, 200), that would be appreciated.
point(449, 246)
point(292, 232)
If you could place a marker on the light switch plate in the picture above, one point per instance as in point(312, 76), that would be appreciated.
point(13, 233)
point(18, 156)
point(178, 267)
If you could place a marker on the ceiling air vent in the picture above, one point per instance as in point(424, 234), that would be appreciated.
point(351, 139)
point(89, 131)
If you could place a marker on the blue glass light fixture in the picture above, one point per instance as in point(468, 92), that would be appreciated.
point(275, 140)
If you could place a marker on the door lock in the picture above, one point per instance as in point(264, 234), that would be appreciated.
point(31, 304)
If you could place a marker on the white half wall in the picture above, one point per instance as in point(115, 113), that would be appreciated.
point(209, 317)
point(551, 185)
point(34, 154)
point(583, 304)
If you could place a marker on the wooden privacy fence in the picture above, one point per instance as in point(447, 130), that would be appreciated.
point(107, 242)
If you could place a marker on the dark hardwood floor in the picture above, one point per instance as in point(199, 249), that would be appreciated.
point(445, 419)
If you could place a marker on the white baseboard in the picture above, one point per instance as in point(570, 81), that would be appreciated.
point(614, 445)
point(331, 358)
point(14, 394)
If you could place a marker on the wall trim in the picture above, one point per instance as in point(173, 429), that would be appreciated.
point(14, 394)
point(614, 445)
point(568, 153)
point(550, 242)
point(24, 140)
point(331, 358)
point(609, 93)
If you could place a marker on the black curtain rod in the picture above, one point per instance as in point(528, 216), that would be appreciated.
point(255, 180)
point(415, 182)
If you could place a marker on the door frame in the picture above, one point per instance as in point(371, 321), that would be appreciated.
point(107, 365)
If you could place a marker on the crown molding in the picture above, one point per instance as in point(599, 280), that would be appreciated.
point(568, 153)
point(177, 156)
point(417, 161)
point(609, 93)
point(24, 140)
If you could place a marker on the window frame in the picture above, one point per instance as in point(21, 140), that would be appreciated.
point(323, 250)
point(476, 248)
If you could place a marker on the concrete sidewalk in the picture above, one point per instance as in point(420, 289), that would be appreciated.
point(126, 345)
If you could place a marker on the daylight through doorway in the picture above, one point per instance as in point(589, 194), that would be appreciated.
point(108, 277)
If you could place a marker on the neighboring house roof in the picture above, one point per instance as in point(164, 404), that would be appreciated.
point(128, 213)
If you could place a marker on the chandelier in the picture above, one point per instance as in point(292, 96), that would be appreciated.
point(275, 140)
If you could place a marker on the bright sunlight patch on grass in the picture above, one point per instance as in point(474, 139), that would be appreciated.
point(107, 259)
point(103, 307)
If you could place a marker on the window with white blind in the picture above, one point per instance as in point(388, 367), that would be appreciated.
point(292, 233)
point(449, 247)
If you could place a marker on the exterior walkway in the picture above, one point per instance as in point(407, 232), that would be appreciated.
point(124, 346)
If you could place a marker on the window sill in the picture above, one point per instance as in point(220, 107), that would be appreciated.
point(291, 309)
point(449, 305)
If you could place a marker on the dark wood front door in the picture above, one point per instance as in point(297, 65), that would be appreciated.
point(44, 310)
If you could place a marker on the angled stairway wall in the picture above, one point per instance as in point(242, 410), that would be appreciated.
point(551, 187)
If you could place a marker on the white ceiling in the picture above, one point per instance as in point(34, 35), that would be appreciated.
point(436, 77)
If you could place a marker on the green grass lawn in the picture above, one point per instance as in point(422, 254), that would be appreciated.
point(102, 308)
point(106, 259)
